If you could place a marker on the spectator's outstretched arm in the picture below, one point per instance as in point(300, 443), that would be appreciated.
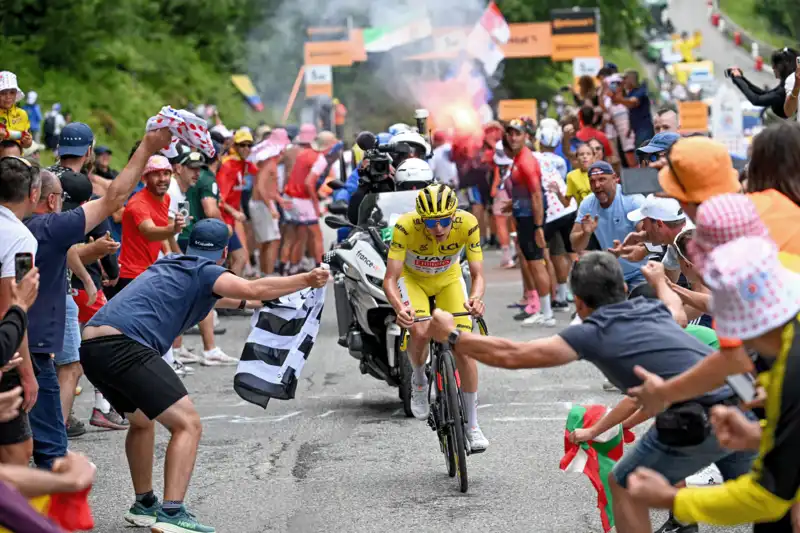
point(231, 286)
point(98, 210)
point(72, 473)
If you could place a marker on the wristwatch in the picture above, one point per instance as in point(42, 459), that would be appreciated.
point(453, 337)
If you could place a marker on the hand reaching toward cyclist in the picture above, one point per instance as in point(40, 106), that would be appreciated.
point(441, 325)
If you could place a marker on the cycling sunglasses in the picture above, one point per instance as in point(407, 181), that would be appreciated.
point(431, 223)
point(651, 158)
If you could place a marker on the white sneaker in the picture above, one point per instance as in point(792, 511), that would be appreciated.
point(186, 356)
point(419, 400)
point(477, 441)
point(538, 319)
point(216, 357)
point(181, 369)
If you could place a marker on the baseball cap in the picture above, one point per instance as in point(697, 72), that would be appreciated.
point(208, 239)
point(517, 124)
point(242, 136)
point(599, 168)
point(155, 163)
point(224, 132)
point(192, 160)
point(76, 138)
point(751, 292)
point(660, 143)
point(663, 209)
point(77, 189)
point(100, 150)
point(699, 168)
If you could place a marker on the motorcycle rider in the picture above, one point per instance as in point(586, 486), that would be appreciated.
point(423, 262)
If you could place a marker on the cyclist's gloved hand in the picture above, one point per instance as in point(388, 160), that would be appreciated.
point(405, 318)
point(475, 306)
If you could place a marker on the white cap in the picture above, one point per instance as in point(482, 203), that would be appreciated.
point(8, 80)
point(222, 130)
point(500, 156)
point(663, 209)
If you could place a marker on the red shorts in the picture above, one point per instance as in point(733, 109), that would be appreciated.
point(86, 312)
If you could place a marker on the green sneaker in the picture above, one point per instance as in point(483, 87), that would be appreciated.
point(181, 522)
point(141, 516)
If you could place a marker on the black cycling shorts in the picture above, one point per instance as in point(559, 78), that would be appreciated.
point(526, 239)
point(563, 227)
point(19, 429)
point(131, 375)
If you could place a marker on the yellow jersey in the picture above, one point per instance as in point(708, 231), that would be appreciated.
point(426, 258)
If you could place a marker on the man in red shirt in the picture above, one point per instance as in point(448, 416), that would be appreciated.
point(146, 224)
point(231, 183)
point(529, 207)
point(587, 132)
point(301, 191)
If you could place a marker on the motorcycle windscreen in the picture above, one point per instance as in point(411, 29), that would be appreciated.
point(386, 207)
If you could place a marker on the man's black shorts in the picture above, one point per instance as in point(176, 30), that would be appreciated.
point(526, 238)
point(19, 429)
point(130, 375)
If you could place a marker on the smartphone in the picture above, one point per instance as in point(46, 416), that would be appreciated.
point(23, 263)
point(743, 386)
point(183, 209)
point(640, 181)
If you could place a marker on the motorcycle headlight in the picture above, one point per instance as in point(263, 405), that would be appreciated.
point(377, 282)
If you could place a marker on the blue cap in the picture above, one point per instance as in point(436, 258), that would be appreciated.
point(208, 239)
point(599, 168)
point(384, 137)
point(660, 143)
point(76, 139)
point(100, 150)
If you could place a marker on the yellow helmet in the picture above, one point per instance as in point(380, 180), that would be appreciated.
point(436, 201)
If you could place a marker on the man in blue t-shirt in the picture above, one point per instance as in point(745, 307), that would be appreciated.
point(121, 355)
point(637, 100)
point(620, 337)
point(604, 214)
point(56, 233)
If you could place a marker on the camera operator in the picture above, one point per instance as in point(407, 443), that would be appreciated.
point(782, 99)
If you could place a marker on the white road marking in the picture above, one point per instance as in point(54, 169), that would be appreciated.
point(289, 415)
point(237, 419)
point(326, 413)
point(529, 418)
point(358, 396)
point(485, 405)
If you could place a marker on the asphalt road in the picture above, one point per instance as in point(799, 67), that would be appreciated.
point(691, 15)
point(341, 456)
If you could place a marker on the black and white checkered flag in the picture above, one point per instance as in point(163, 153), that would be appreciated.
point(283, 333)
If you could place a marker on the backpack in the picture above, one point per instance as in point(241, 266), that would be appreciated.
point(50, 125)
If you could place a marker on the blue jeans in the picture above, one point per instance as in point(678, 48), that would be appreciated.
point(72, 336)
point(676, 464)
point(47, 421)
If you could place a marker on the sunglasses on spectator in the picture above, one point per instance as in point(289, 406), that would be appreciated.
point(652, 158)
point(431, 223)
point(245, 145)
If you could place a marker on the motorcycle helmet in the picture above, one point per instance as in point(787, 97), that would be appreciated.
point(415, 141)
point(413, 174)
point(549, 133)
point(399, 128)
point(436, 201)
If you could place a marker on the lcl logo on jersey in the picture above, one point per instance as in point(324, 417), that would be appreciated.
point(450, 247)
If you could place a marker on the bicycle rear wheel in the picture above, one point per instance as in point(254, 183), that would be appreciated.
point(457, 440)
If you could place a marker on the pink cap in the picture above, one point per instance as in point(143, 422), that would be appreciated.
point(156, 163)
point(752, 293)
point(722, 219)
point(308, 132)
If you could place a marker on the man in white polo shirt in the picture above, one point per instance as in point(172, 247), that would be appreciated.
point(662, 221)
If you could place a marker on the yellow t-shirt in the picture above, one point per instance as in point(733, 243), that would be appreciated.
point(578, 185)
point(15, 119)
point(426, 258)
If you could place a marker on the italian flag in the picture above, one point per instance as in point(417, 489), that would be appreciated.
point(595, 458)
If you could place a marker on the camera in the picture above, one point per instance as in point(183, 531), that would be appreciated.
point(380, 157)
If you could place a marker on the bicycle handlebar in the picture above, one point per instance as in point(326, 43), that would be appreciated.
point(426, 318)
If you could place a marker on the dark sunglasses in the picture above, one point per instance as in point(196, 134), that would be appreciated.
point(652, 158)
point(431, 223)
point(245, 145)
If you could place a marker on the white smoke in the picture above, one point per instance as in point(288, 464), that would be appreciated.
point(275, 49)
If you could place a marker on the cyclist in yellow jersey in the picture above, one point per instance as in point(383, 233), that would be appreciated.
point(423, 264)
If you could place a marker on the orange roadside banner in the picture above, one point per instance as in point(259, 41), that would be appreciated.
point(693, 117)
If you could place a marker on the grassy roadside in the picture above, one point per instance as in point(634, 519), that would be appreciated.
point(745, 14)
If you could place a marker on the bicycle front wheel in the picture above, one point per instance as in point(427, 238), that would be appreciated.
point(457, 441)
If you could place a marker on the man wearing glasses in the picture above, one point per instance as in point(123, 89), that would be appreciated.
point(423, 264)
point(231, 183)
point(56, 232)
